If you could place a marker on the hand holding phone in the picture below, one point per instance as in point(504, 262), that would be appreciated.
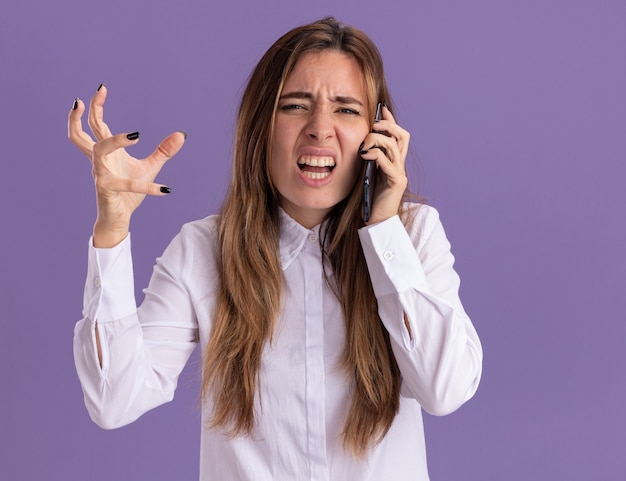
point(369, 180)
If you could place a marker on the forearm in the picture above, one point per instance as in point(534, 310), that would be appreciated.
point(127, 359)
point(434, 342)
point(436, 347)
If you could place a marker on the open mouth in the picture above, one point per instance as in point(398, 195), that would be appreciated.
point(316, 167)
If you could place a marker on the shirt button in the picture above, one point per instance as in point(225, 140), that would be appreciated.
point(388, 255)
point(97, 282)
point(313, 237)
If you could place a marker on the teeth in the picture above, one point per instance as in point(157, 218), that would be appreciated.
point(316, 161)
point(316, 175)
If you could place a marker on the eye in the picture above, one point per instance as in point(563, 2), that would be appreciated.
point(349, 111)
point(291, 107)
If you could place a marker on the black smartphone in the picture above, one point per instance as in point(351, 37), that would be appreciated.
point(369, 180)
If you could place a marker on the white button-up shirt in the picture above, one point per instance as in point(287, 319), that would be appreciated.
point(304, 394)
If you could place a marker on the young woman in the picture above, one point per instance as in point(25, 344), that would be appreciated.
point(323, 337)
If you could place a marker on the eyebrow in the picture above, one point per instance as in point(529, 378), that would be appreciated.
point(342, 99)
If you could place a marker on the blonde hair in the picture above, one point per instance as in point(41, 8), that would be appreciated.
point(250, 270)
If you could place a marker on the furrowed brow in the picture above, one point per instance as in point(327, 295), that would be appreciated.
point(347, 100)
point(296, 95)
point(340, 99)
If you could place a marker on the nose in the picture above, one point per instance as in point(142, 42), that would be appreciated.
point(320, 126)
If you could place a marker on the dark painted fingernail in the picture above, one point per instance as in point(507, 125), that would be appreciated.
point(165, 190)
point(75, 104)
point(184, 133)
point(133, 136)
point(362, 150)
point(101, 85)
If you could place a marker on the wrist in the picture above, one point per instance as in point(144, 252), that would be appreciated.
point(106, 236)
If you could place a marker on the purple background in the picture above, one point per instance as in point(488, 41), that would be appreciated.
point(518, 118)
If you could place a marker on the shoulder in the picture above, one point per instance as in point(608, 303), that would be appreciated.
point(195, 239)
point(201, 229)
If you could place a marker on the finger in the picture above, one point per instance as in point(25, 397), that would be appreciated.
point(381, 148)
point(168, 148)
point(75, 131)
point(389, 124)
point(111, 144)
point(392, 129)
point(135, 186)
point(96, 114)
point(387, 115)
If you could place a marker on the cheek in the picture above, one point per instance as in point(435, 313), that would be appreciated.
point(355, 168)
point(351, 172)
point(283, 143)
point(351, 143)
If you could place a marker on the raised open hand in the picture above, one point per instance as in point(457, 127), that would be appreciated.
point(121, 181)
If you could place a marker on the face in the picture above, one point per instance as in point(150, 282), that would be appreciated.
point(321, 119)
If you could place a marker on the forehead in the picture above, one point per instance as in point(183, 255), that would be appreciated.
point(331, 70)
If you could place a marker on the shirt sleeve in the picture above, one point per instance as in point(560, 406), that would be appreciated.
point(143, 350)
point(435, 344)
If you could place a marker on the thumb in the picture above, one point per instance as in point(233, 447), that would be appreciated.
point(168, 147)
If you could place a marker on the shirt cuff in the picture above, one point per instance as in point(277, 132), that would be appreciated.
point(392, 260)
point(110, 287)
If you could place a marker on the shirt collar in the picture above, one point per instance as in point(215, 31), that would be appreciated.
point(293, 237)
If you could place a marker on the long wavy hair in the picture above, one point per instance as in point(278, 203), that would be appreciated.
point(248, 302)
